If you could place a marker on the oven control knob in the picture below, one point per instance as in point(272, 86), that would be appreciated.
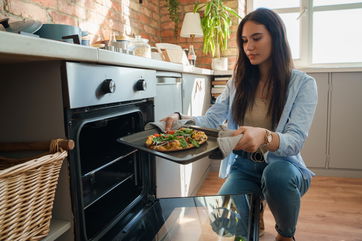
point(141, 84)
point(108, 86)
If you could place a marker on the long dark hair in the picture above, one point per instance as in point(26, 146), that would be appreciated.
point(247, 76)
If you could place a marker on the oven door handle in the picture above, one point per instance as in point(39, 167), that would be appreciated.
point(135, 169)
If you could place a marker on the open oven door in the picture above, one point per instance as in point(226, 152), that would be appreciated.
point(204, 218)
point(199, 218)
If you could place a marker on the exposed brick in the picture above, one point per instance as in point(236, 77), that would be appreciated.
point(203, 59)
point(232, 4)
point(116, 6)
point(101, 9)
point(186, 2)
point(101, 2)
point(154, 8)
point(71, 9)
point(133, 4)
point(163, 4)
point(167, 33)
point(62, 18)
point(154, 23)
point(92, 28)
point(46, 3)
point(28, 10)
point(165, 18)
point(102, 17)
point(163, 11)
point(143, 19)
point(116, 16)
point(95, 17)
point(168, 25)
point(108, 3)
point(149, 30)
point(147, 12)
point(156, 17)
point(188, 8)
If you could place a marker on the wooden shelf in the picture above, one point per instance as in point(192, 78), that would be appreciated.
point(57, 228)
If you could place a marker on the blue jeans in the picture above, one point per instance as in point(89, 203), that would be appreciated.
point(280, 183)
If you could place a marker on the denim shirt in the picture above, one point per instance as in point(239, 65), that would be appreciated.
point(292, 128)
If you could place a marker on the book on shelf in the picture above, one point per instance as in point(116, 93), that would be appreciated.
point(215, 94)
point(217, 90)
point(219, 82)
point(218, 86)
point(223, 78)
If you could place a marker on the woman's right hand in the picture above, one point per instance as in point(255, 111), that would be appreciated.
point(170, 120)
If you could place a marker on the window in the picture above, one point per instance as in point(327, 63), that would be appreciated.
point(320, 31)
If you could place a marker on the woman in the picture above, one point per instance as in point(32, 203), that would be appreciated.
point(272, 105)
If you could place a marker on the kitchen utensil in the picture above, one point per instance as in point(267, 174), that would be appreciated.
point(58, 31)
point(27, 26)
point(137, 140)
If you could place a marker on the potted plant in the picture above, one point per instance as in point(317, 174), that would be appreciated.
point(216, 24)
point(174, 13)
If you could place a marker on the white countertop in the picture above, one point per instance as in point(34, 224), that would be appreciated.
point(21, 48)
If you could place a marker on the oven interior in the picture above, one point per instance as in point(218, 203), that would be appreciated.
point(108, 178)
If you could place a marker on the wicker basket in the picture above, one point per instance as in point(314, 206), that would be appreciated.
point(27, 189)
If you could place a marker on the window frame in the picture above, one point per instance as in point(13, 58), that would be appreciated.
point(306, 11)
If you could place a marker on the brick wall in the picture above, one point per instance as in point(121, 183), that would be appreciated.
point(203, 61)
point(104, 17)
point(99, 17)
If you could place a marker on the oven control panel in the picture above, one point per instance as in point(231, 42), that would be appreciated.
point(92, 84)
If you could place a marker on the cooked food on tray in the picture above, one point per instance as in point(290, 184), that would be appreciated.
point(176, 140)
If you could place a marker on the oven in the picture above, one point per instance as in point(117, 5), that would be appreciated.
point(108, 179)
point(107, 190)
point(113, 188)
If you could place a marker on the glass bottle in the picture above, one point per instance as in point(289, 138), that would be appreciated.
point(192, 55)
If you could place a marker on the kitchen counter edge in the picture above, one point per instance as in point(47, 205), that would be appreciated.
point(21, 48)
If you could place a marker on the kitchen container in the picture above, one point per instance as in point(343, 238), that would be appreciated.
point(27, 188)
point(59, 31)
point(141, 47)
point(123, 42)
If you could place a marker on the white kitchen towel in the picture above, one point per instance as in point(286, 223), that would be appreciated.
point(162, 124)
point(227, 142)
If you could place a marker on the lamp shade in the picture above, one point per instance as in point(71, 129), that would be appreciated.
point(191, 26)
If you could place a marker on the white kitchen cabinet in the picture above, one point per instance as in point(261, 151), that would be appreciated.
point(333, 145)
point(346, 121)
point(173, 179)
point(195, 94)
point(196, 100)
point(168, 100)
point(314, 151)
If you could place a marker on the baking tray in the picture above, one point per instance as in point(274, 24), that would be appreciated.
point(137, 140)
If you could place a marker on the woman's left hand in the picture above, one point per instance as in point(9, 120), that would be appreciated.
point(252, 138)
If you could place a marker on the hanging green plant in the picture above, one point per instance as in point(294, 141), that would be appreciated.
point(174, 12)
point(216, 25)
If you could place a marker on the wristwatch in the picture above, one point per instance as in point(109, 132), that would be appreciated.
point(268, 137)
